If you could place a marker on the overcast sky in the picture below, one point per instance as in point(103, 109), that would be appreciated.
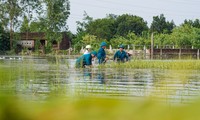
point(176, 10)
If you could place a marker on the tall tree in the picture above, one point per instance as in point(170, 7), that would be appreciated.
point(81, 30)
point(57, 14)
point(29, 8)
point(56, 17)
point(182, 36)
point(129, 23)
point(195, 23)
point(39, 26)
point(10, 10)
point(4, 39)
point(81, 26)
point(196, 38)
point(113, 25)
point(160, 25)
point(102, 28)
point(25, 27)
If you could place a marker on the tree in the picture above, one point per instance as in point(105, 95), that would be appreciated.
point(91, 40)
point(29, 8)
point(196, 39)
point(169, 27)
point(129, 23)
point(39, 26)
point(81, 30)
point(10, 10)
point(55, 19)
point(137, 40)
point(182, 36)
point(195, 23)
point(57, 14)
point(4, 39)
point(113, 25)
point(162, 40)
point(102, 28)
point(160, 25)
point(115, 42)
point(25, 27)
point(81, 26)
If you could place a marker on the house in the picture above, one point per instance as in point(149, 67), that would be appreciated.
point(31, 40)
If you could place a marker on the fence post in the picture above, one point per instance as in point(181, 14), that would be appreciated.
point(198, 54)
point(152, 44)
point(144, 52)
point(133, 50)
point(180, 53)
point(69, 52)
point(74, 50)
point(161, 52)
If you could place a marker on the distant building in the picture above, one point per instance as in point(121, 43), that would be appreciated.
point(29, 40)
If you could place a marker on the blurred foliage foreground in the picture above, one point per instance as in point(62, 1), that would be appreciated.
point(13, 107)
point(88, 108)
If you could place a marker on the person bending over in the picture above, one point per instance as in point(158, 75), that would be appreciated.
point(85, 60)
point(120, 55)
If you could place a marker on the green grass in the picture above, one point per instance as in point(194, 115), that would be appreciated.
point(8, 76)
point(160, 64)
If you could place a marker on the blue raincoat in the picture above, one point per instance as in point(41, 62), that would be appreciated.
point(101, 55)
point(121, 56)
point(85, 59)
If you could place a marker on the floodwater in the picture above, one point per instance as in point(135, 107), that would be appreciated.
point(41, 77)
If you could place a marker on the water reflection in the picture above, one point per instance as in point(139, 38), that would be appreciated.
point(101, 76)
point(87, 73)
point(40, 77)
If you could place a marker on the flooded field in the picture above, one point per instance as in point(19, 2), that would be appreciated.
point(38, 78)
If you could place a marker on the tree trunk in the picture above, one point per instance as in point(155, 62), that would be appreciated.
point(11, 34)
